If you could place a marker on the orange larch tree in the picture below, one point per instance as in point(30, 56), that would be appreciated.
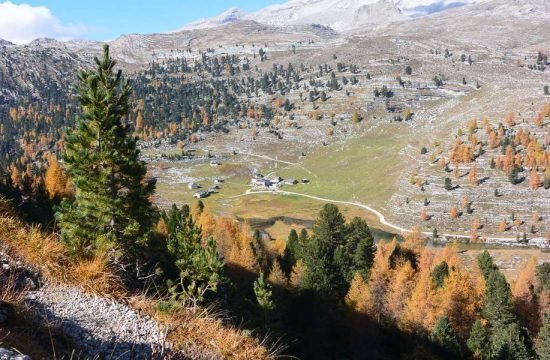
point(534, 180)
point(461, 299)
point(526, 299)
point(55, 180)
point(400, 290)
point(494, 140)
point(476, 224)
point(297, 274)
point(509, 120)
point(379, 279)
point(424, 215)
point(454, 213)
point(276, 275)
point(503, 226)
point(414, 240)
point(472, 176)
point(359, 297)
point(419, 315)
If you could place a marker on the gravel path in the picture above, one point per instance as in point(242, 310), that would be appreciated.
point(101, 327)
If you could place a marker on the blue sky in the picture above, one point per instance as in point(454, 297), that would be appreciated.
point(105, 20)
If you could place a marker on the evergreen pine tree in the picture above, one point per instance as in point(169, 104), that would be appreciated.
point(508, 340)
point(360, 248)
point(290, 255)
point(200, 268)
point(260, 252)
point(263, 292)
point(324, 273)
point(486, 264)
point(111, 202)
point(499, 306)
point(440, 273)
point(511, 342)
point(543, 346)
point(543, 274)
point(443, 336)
point(478, 341)
point(330, 226)
point(303, 238)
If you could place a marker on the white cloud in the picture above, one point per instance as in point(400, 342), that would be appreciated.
point(22, 23)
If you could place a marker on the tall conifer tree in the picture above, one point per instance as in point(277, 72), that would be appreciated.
point(443, 335)
point(323, 272)
point(508, 340)
point(111, 203)
point(478, 341)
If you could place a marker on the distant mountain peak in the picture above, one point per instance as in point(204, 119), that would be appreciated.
point(229, 16)
point(232, 10)
point(340, 15)
point(43, 41)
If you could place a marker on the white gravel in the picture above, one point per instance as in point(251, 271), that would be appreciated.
point(97, 326)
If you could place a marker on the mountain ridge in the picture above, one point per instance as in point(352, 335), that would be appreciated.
point(333, 13)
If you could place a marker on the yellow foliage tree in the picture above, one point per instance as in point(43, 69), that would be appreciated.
point(472, 176)
point(454, 212)
point(55, 180)
point(241, 253)
point(359, 298)
point(526, 298)
point(139, 122)
point(509, 120)
point(461, 299)
point(297, 274)
point(276, 275)
point(420, 315)
point(225, 230)
point(414, 240)
point(476, 224)
point(503, 226)
point(207, 222)
point(534, 180)
point(161, 227)
point(380, 278)
point(15, 176)
point(400, 290)
point(424, 215)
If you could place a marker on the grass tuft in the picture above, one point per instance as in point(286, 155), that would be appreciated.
point(44, 251)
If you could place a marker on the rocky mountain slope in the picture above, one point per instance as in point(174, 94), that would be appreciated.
point(25, 69)
point(38, 67)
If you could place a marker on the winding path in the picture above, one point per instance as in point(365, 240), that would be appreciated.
point(380, 216)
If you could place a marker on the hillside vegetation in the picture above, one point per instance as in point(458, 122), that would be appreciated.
point(263, 190)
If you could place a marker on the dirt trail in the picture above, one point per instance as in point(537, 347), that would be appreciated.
point(380, 216)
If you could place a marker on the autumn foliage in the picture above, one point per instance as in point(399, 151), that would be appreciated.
point(56, 181)
point(454, 213)
point(401, 291)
